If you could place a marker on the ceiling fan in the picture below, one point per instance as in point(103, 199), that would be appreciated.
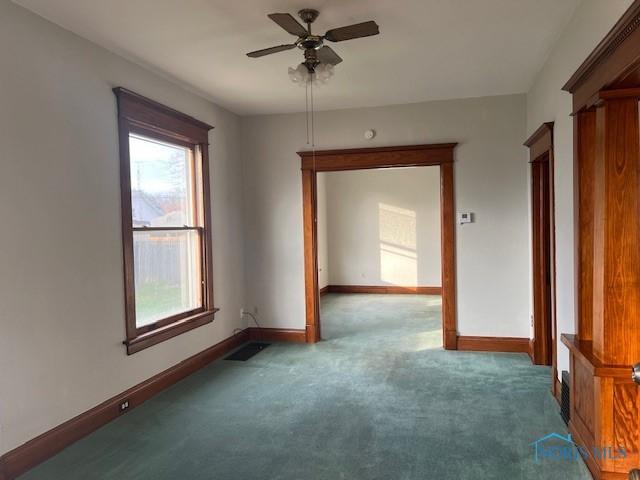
point(315, 52)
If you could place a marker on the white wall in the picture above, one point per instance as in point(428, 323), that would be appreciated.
point(547, 102)
point(491, 180)
point(61, 287)
point(384, 227)
point(322, 229)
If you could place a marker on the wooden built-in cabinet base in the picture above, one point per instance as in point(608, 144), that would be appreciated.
point(605, 411)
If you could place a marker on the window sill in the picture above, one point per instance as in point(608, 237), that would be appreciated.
point(159, 335)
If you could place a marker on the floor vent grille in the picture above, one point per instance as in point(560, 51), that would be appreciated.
point(249, 350)
point(565, 411)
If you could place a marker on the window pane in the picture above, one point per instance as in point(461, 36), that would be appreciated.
point(168, 278)
point(161, 183)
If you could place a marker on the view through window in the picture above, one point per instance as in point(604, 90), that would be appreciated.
point(167, 229)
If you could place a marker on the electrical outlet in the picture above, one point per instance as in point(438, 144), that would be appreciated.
point(124, 405)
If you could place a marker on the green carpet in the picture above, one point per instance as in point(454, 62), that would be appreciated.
point(378, 399)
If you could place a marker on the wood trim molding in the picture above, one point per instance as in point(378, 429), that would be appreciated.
point(493, 344)
point(615, 58)
point(277, 335)
point(137, 110)
point(540, 141)
point(324, 290)
point(448, 253)
point(583, 352)
point(381, 157)
point(382, 289)
point(541, 150)
point(30, 454)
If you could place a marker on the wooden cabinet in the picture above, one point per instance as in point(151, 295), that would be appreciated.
point(605, 411)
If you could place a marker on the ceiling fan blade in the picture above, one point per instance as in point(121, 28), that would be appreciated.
point(365, 29)
point(327, 55)
point(289, 23)
point(269, 51)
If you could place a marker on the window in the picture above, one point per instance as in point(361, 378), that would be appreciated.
point(166, 223)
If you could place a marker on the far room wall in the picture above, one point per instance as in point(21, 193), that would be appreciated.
point(323, 238)
point(493, 268)
point(382, 227)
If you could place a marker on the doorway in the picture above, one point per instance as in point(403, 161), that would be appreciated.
point(543, 348)
point(541, 260)
point(382, 157)
point(379, 255)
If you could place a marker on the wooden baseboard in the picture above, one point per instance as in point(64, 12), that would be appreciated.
point(277, 335)
point(558, 392)
point(390, 289)
point(324, 290)
point(27, 456)
point(494, 344)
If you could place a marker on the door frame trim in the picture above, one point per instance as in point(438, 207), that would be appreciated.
point(440, 155)
point(540, 146)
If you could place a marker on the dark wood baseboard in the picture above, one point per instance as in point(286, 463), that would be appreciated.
point(494, 344)
point(277, 335)
point(323, 291)
point(30, 454)
point(391, 289)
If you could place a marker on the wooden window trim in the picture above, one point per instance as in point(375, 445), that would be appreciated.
point(142, 116)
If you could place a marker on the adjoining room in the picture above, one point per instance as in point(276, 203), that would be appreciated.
point(379, 255)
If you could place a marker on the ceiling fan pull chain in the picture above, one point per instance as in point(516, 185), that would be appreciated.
point(306, 109)
point(313, 129)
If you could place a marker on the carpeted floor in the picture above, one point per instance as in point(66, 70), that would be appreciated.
point(378, 399)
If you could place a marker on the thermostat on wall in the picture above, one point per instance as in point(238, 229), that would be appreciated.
point(466, 217)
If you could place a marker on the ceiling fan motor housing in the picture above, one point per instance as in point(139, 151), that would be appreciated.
point(310, 42)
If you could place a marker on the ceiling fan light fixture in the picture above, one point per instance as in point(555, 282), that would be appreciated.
point(319, 76)
point(299, 75)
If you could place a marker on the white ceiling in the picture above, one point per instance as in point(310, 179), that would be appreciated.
point(426, 50)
